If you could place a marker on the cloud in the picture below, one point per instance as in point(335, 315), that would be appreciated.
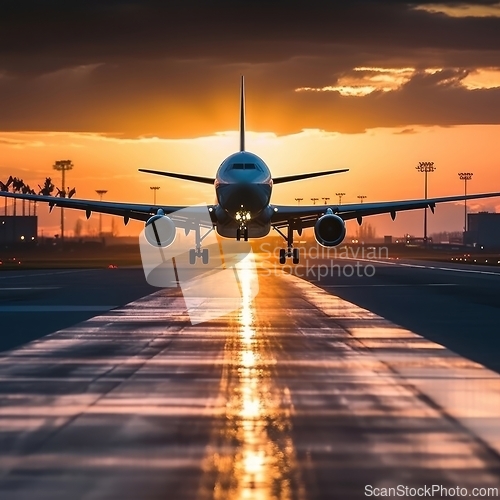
point(20, 144)
point(463, 9)
point(159, 68)
point(406, 131)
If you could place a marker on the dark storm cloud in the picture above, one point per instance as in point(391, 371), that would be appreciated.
point(135, 67)
point(48, 35)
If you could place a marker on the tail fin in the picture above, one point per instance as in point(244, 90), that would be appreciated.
point(242, 114)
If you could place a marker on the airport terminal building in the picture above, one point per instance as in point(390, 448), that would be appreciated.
point(483, 230)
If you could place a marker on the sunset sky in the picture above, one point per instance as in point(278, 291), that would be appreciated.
point(375, 86)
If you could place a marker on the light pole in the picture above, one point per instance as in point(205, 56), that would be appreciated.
point(298, 200)
point(314, 200)
point(362, 197)
point(63, 166)
point(101, 193)
point(465, 176)
point(326, 200)
point(425, 167)
point(340, 197)
point(154, 189)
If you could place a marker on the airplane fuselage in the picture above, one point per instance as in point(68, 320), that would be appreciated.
point(243, 186)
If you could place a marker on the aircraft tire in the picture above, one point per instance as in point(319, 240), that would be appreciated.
point(192, 256)
point(204, 256)
point(282, 256)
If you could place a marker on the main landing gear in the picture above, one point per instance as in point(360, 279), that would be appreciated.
point(194, 253)
point(288, 252)
point(199, 252)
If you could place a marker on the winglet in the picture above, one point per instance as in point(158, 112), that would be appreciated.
point(242, 114)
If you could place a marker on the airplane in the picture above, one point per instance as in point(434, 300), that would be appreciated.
point(243, 209)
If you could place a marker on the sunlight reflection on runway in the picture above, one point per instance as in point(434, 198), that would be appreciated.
point(253, 453)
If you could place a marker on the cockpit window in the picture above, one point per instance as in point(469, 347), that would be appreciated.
point(245, 166)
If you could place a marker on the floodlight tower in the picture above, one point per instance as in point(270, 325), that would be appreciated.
point(465, 176)
point(298, 200)
point(101, 193)
point(326, 200)
point(314, 200)
point(154, 189)
point(340, 197)
point(362, 197)
point(425, 167)
point(63, 166)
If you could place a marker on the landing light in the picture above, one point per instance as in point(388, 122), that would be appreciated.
point(243, 215)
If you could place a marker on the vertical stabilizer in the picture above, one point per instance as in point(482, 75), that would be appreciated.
point(242, 114)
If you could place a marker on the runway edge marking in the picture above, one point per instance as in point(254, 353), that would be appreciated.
point(464, 390)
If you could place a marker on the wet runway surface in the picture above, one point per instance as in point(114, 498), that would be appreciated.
point(35, 303)
point(299, 394)
point(457, 305)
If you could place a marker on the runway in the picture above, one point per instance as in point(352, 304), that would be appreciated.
point(299, 394)
point(36, 303)
point(457, 305)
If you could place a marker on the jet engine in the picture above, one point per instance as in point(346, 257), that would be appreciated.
point(160, 230)
point(329, 230)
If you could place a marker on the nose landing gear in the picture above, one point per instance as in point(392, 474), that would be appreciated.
point(242, 232)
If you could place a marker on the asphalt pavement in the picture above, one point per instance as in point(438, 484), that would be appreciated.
point(457, 305)
point(295, 394)
point(36, 303)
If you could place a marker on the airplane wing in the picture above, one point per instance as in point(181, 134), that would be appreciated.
point(211, 180)
point(186, 177)
point(310, 175)
point(135, 211)
point(307, 215)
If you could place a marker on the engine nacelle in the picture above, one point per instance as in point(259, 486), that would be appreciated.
point(160, 230)
point(329, 230)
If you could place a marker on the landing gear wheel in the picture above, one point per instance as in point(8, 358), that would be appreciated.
point(204, 256)
point(192, 256)
point(295, 256)
point(238, 234)
point(282, 256)
point(245, 234)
